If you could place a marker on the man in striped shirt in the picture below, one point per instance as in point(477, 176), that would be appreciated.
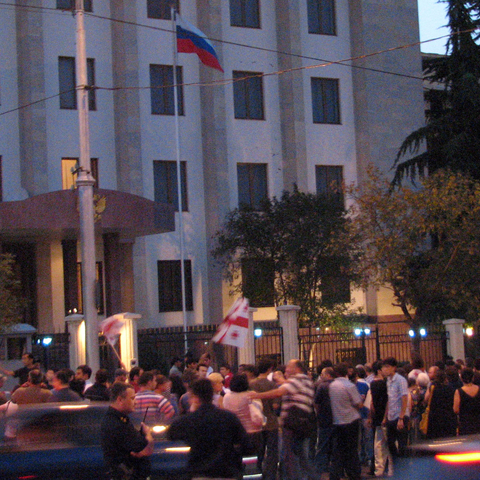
point(297, 390)
point(159, 408)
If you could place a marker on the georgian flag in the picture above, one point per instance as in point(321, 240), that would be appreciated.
point(111, 327)
point(233, 330)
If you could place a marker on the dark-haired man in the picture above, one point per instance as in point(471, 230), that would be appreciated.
point(125, 449)
point(216, 437)
point(83, 373)
point(22, 373)
point(61, 388)
point(33, 391)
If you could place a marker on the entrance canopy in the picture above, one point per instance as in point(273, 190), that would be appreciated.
point(56, 215)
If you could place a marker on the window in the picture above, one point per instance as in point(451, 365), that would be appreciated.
point(335, 284)
point(325, 100)
point(69, 174)
point(165, 183)
point(329, 179)
point(252, 184)
point(170, 285)
point(258, 278)
point(67, 83)
point(244, 13)
point(70, 5)
point(321, 17)
point(161, 83)
point(161, 9)
point(248, 95)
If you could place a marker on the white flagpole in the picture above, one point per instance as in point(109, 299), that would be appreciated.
point(85, 183)
point(179, 178)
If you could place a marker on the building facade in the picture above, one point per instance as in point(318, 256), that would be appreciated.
point(311, 93)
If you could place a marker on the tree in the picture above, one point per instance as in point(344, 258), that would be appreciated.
point(452, 131)
point(11, 302)
point(298, 249)
point(423, 244)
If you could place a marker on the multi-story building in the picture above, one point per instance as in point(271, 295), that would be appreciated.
point(325, 91)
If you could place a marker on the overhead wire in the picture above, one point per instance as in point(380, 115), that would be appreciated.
point(325, 63)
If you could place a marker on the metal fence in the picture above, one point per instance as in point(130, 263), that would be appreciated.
point(269, 342)
point(52, 350)
point(157, 346)
point(345, 346)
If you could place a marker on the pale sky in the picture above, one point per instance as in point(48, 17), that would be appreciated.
point(432, 19)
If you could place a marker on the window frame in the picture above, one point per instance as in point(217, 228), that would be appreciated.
point(62, 5)
point(253, 172)
point(67, 67)
point(239, 14)
point(171, 187)
point(317, 17)
point(163, 7)
point(164, 91)
point(174, 288)
point(329, 181)
point(322, 90)
point(244, 95)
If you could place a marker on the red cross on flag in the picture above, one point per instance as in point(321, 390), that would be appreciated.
point(111, 327)
point(233, 330)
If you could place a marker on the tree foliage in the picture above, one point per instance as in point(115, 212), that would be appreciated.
point(423, 244)
point(11, 301)
point(299, 250)
point(452, 131)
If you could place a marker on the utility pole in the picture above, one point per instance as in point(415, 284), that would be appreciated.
point(85, 183)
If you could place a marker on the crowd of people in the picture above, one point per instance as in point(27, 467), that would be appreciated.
point(300, 424)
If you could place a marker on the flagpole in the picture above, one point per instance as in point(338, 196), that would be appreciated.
point(179, 178)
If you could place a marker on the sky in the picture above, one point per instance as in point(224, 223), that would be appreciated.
point(432, 19)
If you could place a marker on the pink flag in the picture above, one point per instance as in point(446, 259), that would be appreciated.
point(233, 330)
point(111, 327)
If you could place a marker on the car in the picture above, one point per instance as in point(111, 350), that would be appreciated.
point(62, 442)
point(451, 458)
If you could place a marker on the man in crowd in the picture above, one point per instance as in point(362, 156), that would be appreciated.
point(227, 374)
point(33, 391)
point(125, 449)
point(99, 391)
point(133, 378)
point(22, 373)
point(61, 388)
point(216, 437)
point(297, 391)
point(397, 389)
point(345, 402)
point(84, 372)
point(159, 408)
point(202, 370)
point(268, 458)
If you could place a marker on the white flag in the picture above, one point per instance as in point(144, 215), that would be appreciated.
point(111, 327)
point(233, 330)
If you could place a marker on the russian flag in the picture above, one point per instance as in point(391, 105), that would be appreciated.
point(191, 40)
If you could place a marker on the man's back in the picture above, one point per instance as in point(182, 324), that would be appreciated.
point(217, 441)
point(31, 394)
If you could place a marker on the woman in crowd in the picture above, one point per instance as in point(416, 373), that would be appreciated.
point(442, 421)
point(466, 404)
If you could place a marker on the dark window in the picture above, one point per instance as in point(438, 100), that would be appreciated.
point(244, 13)
point(248, 95)
point(161, 83)
point(258, 278)
point(165, 183)
point(325, 100)
point(67, 83)
point(161, 9)
point(252, 184)
point(70, 5)
point(170, 285)
point(335, 284)
point(321, 17)
point(329, 179)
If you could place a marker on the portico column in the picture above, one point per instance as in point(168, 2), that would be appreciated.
point(76, 329)
point(129, 339)
point(288, 317)
point(456, 342)
point(246, 355)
